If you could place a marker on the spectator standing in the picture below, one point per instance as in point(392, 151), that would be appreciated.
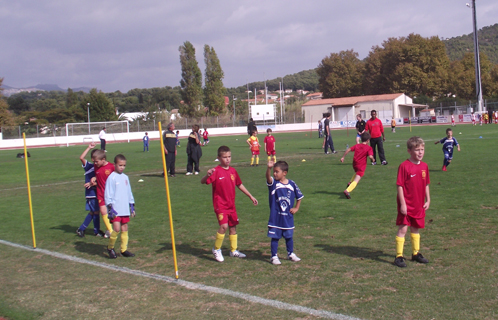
point(102, 139)
point(376, 129)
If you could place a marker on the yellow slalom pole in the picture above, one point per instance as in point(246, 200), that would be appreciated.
point(410, 120)
point(29, 191)
point(169, 201)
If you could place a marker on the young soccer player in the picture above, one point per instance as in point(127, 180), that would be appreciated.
point(91, 196)
point(413, 200)
point(224, 179)
point(361, 151)
point(320, 129)
point(102, 171)
point(146, 141)
point(283, 193)
point(270, 145)
point(205, 136)
point(177, 138)
point(121, 205)
point(453, 120)
point(448, 142)
point(254, 145)
point(393, 125)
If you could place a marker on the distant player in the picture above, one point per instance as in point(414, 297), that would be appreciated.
point(320, 129)
point(453, 120)
point(361, 151)
point(205, 137)
point(91, 196)
point(102, 171)
point(473, 117)
point(448, 142)
point(393, 125)
point(285, 199)
point(360, 127)
point(413, 200)
point(224, 179)
point(270, 145)
point(121, 205)
point(146, 141)
point(102, 139)
point(254, 145)
point(177, 138)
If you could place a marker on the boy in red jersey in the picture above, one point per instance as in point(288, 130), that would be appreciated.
point(205, 136)
point(270, 145)
point(362, 151)
point(224, 180)
point(254, 145)
point(413, 199)
point(102, 171)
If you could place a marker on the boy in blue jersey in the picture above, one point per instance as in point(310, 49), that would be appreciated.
point(146, 142)
point(120, 206)
point(91, 197)
point(282, 195)
point(448, 142)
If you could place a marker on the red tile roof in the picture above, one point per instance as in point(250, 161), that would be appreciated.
point(348, 101)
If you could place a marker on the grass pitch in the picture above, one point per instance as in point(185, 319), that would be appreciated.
point(347, 246)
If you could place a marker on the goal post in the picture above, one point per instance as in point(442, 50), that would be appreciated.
point(82, 132)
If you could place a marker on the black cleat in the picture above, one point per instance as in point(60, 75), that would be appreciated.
point(112, 253)
point(419, 258)
point(127, 254)
point(80, 233)
point(346, 193)
point(400, 262)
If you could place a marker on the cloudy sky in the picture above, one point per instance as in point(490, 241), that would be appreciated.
point(121, 45)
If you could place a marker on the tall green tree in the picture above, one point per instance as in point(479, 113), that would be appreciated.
point(463, 77)
point(191, 82)
point(71, 98)
point(214, 91)
point(414, 65)
point(101, 108)
point(6, 118)
point(340, 75)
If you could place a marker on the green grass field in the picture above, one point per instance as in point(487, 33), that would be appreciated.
point(347, 246)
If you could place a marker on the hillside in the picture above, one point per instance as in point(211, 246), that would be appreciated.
point(488, 43)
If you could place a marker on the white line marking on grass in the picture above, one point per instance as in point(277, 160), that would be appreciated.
point(190, 285)
point(45, 185)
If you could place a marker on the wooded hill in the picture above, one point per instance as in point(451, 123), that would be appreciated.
point(488, 44)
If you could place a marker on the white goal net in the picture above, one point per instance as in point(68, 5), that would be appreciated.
point(86, 132)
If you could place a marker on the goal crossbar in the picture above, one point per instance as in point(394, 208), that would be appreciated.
point(94, 129)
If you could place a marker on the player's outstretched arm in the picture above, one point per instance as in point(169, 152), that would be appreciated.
point(247, 193)
point(83, 155)
point(268, 171)
point(208, 174)
point(345, 153)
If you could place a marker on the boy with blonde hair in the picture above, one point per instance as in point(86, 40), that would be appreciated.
point(413, 200)
point(254, 145)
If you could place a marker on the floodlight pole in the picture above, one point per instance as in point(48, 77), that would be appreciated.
point(477, 60)
point(88, 111)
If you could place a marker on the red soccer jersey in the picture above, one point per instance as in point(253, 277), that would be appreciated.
point(361, 153)
point(224, 182)
point(254, 143)
point(102, 173)
point(270, 143)
point(205, 135)
point(375, 128)
point(413, 178)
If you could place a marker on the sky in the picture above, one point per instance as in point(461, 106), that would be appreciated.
point(122, 45)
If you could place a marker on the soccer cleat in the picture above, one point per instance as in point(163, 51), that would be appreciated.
point(188, 174)
point(384, 162)
point(127, 254)
point(80, 233)
point(237, 254)
point(197, 172)
point(444, 168)
point(374, 163)
point(275, 260)
point(346, 193)
point(218, 255)
point(419, 258)
point(334, 152)
point(172, 175)
point(107, 234)
point(112, 253)
point(293, 257)
point(349, 183)
point(100, 234)
point(400, 262)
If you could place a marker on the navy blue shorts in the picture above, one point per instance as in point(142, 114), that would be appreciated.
point(448, 155)
point(92, 204)
point(276, 233)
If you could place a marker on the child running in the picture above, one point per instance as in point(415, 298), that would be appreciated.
point(205, 136)
point(361, 151)
point(254, 145)
point(413, 200)
point(282, 194)
point(448, 142)
point(91, 196)
point(270, 145)
point(121, 205)
point(224, 179)
point(102, 171)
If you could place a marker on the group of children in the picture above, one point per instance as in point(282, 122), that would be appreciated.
point(254, 146)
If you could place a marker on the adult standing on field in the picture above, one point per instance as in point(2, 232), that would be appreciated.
point(194, 151)
point(251, 126)
point(376, 129)
point(169, 141)
point(102, 139)
point(328, 137)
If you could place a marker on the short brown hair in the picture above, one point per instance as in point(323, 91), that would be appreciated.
point(414, 142)
point(282, 165)
point(223, 149)
point(119, 157)
point(365, 136)
point(99, 155)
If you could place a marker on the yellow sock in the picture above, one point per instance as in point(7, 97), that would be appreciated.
point(274, 158)
point(124, 241)
point(269, 158)
point(400, 243)
point(112, 239)
point(415, 237)
point(257, 160)
point(233, 242)
point(219, 240)
point(252, 161)
point(352, 179)
point(351, 186)
point(107, 223)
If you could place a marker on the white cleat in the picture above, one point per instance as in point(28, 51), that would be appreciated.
point(237, 254)
point(293, 257)
point(275, 261)
point(218, 255)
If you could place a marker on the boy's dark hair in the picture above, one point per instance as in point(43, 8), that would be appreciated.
point(223, 149)
point(119, 157)
point(268, 130)
point(365, 136)
point(448, 130)
point(99, 155)
point(93, 151)
point(282, 165)
point(253, 131)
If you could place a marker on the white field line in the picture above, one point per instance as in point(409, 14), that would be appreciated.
point(190, 285)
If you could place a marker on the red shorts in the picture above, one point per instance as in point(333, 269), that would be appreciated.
point(255, 152)
point(410, 221)
point(227, 216)
point(271, 153)
point(123, 220)
point(359, 171)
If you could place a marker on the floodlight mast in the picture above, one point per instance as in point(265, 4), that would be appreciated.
point(477, 59)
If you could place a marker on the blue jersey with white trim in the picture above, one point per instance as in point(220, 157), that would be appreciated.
point(89, 174)
point(448, 143)
point(282, 197)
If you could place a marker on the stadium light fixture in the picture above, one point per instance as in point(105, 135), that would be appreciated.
point(88, 111)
